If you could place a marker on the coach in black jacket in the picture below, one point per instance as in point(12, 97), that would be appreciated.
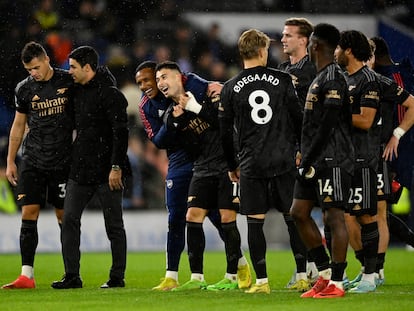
point(99, 163)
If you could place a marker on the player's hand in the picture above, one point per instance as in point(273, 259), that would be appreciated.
point(234, 175)
point(177, 111)
point(11, 174)
point(306, 173)
point(183, 100)
point(298, 158)
point(214, 88)
point(115, 180)
point(391, 150)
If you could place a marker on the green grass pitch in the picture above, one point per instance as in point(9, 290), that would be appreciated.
point(144, 271)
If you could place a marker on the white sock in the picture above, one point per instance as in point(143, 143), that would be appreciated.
point(301, 276)
point(172, 275)
point(369, 278)
point(231, 277)
point(262, 281)
point(326, 274)
point(197, 276)
point(242, 261)
point(28, 271)
point(337, 284)
point(310, 265)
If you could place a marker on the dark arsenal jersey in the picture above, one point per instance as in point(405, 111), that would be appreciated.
point(364, 91)
point(48, 143)
point(262, 105)
point(152, 111)
point(326, 142)
point(201, 133)
point(302, 73)
point(392, 94)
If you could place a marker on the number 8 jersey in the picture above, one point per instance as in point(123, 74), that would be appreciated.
point(260, 117)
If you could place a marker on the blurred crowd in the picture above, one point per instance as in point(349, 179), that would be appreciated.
point(127, 32)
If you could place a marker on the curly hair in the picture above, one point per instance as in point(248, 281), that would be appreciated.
point(357, 42)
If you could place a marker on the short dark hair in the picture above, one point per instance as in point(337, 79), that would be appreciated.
point(381, 47)
point(327, 33)
point(357, 42)
point(32, 50)
point(168, 65)
point(305, 26)
point(146, 64)
point(85, 55)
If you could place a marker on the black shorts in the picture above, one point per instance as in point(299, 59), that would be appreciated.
point(213, 192)
point(330, 188)
point(38, 186)
point(384, 181)
point(258, 195)
point(363, 195)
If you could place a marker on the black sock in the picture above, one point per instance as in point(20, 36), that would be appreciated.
point(380, 262)
point(196, 243)
point(298, 247)
point(359, 255)
point(29, 239)
point(338, 269)
point(320, 257)
point(232, 245)
point(328, 238)
point(215, 218)
point(370, 239)
point(257, 246)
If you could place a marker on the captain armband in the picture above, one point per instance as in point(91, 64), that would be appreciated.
point(398, 132)
point(192, 104)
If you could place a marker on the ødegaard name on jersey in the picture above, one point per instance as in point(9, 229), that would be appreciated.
point(253, 78)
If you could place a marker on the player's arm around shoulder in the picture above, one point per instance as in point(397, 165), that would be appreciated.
point(406, 124)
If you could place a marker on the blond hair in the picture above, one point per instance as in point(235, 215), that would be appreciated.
point(251, 41)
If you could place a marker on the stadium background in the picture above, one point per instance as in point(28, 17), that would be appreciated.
point(201, 36)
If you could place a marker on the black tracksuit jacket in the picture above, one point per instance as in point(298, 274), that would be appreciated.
point(99, 111)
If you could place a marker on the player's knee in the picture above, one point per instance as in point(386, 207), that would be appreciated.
point(227, 216)
point(196, 214)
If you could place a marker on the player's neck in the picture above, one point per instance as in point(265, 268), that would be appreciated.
point(322, 63)
point(354, 67)
point(49, 74)
point(251, 63)
point(297, 57)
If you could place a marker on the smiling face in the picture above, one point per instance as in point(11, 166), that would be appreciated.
point(145, 79)
point(169, 82)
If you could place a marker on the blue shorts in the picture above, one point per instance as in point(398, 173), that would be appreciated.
point(177, 184)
